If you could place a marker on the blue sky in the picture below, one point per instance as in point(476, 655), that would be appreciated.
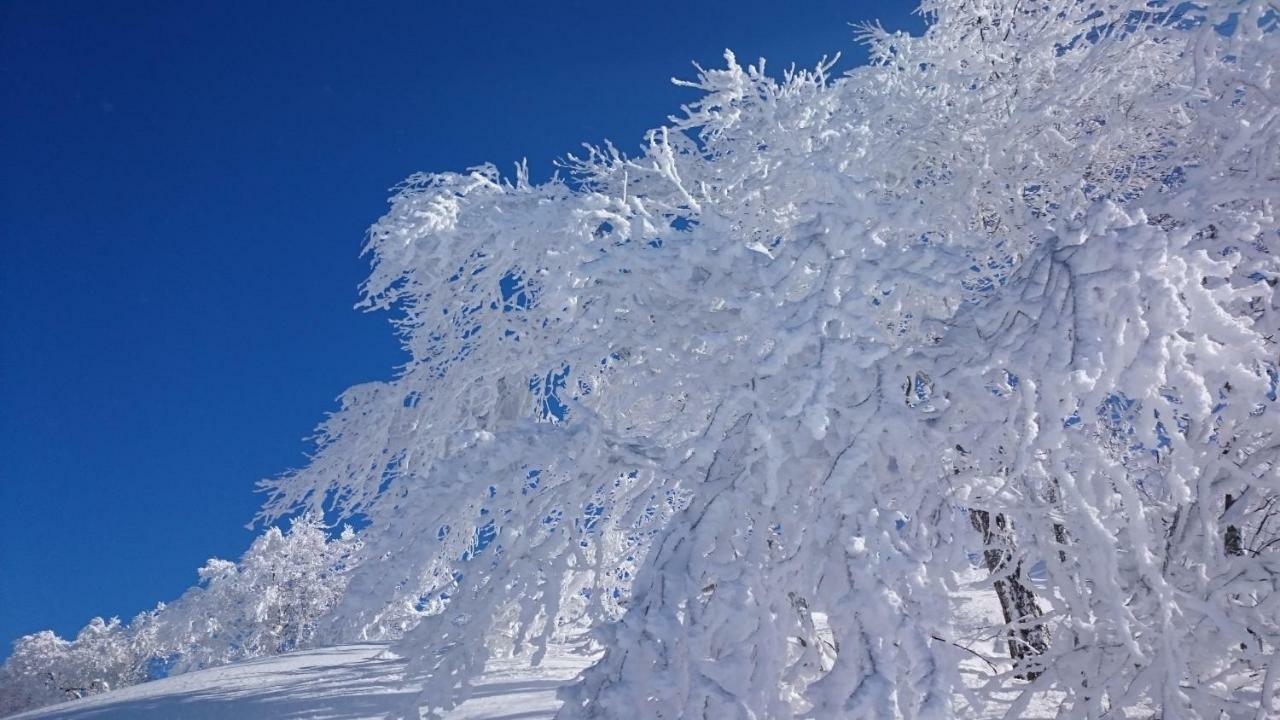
point(182, 203)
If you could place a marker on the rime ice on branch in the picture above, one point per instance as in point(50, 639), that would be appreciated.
point(740, 406)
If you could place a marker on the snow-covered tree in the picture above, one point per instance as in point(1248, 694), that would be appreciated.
point(737, 412)
point(26, 680)
point(275, 599)
point(45, 669)
point(740, 405)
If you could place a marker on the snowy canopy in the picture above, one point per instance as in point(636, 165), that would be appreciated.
point(746, 411)
point(745, 406)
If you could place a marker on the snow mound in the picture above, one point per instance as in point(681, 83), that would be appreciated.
point(349, 682)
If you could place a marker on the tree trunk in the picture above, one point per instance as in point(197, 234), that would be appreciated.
point(1233, 540)
point(1027, 637)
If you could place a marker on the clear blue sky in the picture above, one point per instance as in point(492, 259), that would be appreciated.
point(184, 190)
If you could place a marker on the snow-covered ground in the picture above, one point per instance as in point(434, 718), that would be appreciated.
point(358, 682)
point(350, 682)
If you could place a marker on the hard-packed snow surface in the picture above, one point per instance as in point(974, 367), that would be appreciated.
point(349, 682)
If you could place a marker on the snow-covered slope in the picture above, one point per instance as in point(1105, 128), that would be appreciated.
point(358, 682)
point(350, 682)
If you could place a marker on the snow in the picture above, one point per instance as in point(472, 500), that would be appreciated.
point(364, 681)
point(737, 404)
point(347, 682)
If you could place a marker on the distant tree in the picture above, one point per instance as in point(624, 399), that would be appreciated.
point(27, 679)
point(274, 600)
point(45, 669)
point(763, 382)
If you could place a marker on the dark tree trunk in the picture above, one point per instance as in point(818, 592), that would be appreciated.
point(1028, 637)
point(1233, 541)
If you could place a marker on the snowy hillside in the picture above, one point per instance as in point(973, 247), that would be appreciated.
point(349, 682)
point(364, 682)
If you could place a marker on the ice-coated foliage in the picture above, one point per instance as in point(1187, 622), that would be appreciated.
point(771, 374)
point(274, 600)
point(739, 410)
point(45, 669)
point(1015, 276)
